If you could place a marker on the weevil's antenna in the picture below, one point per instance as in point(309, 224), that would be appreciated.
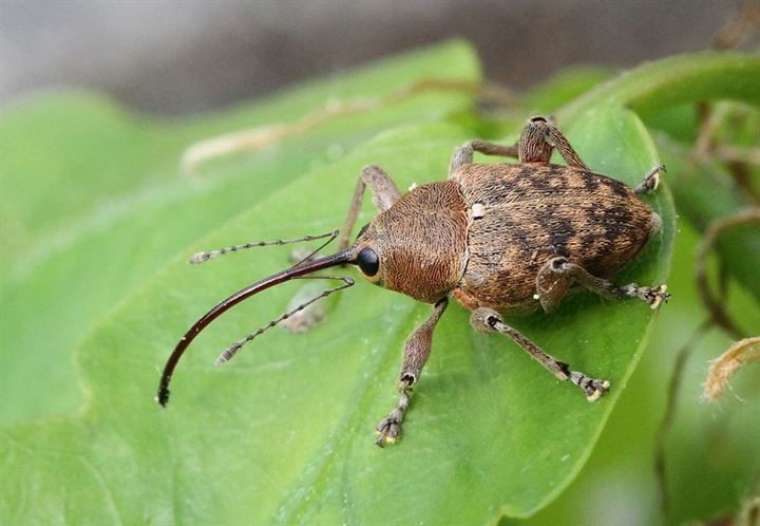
point(331, 237)
point(232, 350)
point(205, 255)
point(296, 271)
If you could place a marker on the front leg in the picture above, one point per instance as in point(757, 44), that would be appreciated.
point(384, 194)
point(416, 352)
point(488, 320)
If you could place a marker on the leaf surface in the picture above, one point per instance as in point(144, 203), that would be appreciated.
point(99, 206)
point(283, 434)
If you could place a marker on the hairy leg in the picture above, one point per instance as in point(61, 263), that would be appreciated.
point(464, 154)
point(561, 270)
point(539, 137)
point(485, 319)
point(537, 141)
point(384, 194)
point(416, 352)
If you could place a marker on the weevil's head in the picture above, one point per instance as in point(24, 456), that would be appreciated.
point(419, 245)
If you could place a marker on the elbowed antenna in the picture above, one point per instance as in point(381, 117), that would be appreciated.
point(300, 269)
point(233, 349)
point(205, 255)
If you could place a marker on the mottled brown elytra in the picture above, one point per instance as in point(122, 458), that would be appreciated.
point(498, 238)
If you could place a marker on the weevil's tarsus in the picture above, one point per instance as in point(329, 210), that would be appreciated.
point(488, 320)
point(203, 256)
point(651, 181)
point(384, 194)
point(340, 258)
point(416, 353)
point(233, 349)
point(558, 274)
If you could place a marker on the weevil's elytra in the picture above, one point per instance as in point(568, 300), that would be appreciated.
point(498, 238)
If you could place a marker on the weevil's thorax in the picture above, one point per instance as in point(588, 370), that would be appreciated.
point(421, 242)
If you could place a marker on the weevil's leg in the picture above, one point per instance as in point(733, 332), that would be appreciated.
point(384, 194)
point(463, 155)
point(651, 181)
point(537, 140)
point(561, 267)
point(551, 288)
point(485, 319)
point(416, 352)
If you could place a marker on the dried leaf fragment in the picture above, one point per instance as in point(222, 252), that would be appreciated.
point(723, 368)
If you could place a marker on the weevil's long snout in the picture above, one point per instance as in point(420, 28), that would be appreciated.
point(298, 270)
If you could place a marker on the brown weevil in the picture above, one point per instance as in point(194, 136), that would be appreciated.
point(498, 238)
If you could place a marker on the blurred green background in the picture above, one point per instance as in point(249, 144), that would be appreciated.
point(95, 208)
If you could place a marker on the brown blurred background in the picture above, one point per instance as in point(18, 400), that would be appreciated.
point(186, 56)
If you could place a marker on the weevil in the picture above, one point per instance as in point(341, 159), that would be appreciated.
point(498, 238)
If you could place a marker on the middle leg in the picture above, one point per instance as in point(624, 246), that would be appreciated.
point(488, 320)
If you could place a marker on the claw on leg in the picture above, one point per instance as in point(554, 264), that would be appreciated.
point(560, 266)
point(593, 387)
point(653, 296)
point(389, 429)
point(651, 181)
point(489, 320)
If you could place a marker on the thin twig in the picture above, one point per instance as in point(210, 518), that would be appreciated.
point(715, 307)
point(668, 418)
point(263, 136)
point(739, 28)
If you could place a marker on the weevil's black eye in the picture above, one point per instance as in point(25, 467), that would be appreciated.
point(368, 261)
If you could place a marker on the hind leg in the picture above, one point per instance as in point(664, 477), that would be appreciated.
point(651, 181)
point(560, 271)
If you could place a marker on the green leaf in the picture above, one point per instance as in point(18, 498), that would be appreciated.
point(712, 456)
point(562, 88)
point(676, 80)
point(98, 204)
point(705, 193)
point(283, 434)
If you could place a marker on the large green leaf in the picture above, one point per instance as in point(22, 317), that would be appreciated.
point(284, 433)
point(98, 205)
